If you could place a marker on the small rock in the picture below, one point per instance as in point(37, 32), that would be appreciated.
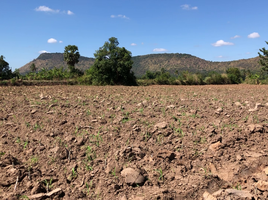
point(69, 138)
point(62, 122)
point(262, 185)
point(216, 146)
point(57, 191)
point(161, 125)
point(255, 128)
point(136, 128)
point(139, 104)
point(38, 188)
point(238, 104)
point(132, 176)
point(123, 198)
point(145, 103)
point(208, 196)
point(265, 170)
point(253, 110)
point(103, 121)
point(138, 198)
point(257, 105)
point(166, 154)
point(33, 111)
point(219, 110)
point(170, 107)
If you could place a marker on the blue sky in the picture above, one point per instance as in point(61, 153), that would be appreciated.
point(213, 30)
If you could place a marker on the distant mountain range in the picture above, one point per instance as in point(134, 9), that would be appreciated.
point(153, 62)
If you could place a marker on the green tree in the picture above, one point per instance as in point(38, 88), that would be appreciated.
point(149, 75)
point(234, 75)
point(33, 67)
point(264, 58)
point(5, 71)
point(112, 65)
point(71, 56)
point(16, 73)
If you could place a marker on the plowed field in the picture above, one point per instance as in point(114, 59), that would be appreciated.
point(134, 143)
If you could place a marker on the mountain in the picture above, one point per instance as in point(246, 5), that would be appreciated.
point(153, 62)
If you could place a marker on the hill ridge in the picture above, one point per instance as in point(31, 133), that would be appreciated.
point(172, 62)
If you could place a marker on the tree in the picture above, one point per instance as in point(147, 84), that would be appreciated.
point(264, 58)
point(33, 67)
point(234, 75)
point(71, 56)
point(112, 65)
point(16, 73)
point(5, 71)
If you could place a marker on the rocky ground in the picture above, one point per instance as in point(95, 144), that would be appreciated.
point(134, 143)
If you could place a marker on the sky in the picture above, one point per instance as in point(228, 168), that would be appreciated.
point(214, 30)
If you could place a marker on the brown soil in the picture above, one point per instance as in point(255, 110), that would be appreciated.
point(134, 143)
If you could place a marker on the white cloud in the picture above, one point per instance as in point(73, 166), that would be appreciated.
point(159, 50)
point(188, 7)
point(248, 53)
point(133, 44)
point(220, 56)
point(119, 16)
point(236, 36)
point(60, 41)
point(50, 10)
point(46, 9)
point(43, 51)
point(52, 40)
point(70, 12)
point(254, 35)
point(142, 43)
point(221, 43)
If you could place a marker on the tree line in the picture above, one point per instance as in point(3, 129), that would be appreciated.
point(113, 66)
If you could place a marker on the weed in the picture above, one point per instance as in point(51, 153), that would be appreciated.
point(88, 112)
point(245, 118)
point(238, 186)
point(90, 153)
point(48, 184)
point(52, 160)
point(161, 177)
point(2, 153)
point(147, 136)
point(203, 140)
point(89, 167)
point(114, 172)
point(18, 140)
point(34, 160)
point(25, 144)
point(37, 126)
point(27, 124)
point(160, 139)
point(179, 132)
point(88, 186)
point(125, 120)
point(24, 197)
point(206, 171)
point(98, 139)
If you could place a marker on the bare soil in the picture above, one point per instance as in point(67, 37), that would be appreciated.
point(134, 143)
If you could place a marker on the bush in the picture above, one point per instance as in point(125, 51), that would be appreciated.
point(86, 79)
point(234, 75)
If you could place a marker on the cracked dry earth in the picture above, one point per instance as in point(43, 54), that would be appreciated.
point(134, 143)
